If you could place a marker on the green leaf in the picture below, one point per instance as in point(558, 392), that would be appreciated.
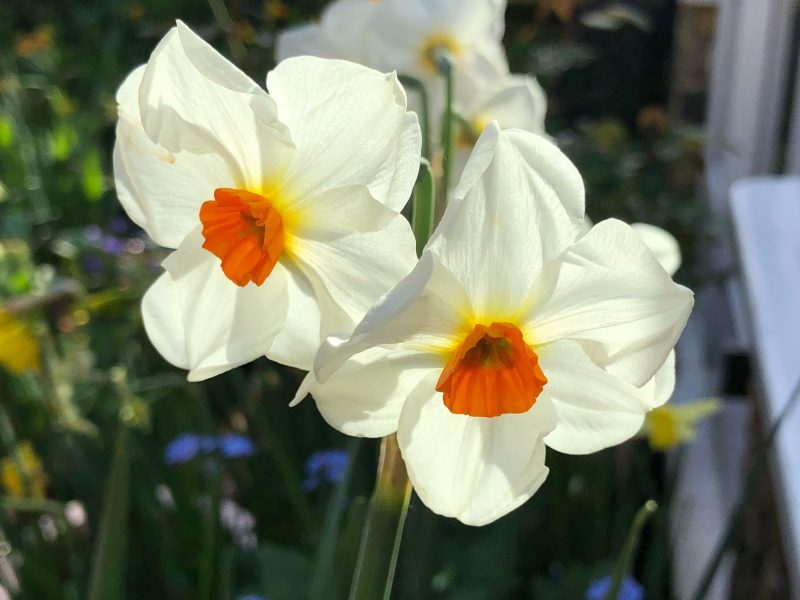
point(92, 177)
point(108, 570)
point(285, 572)
point(63, 140)
point(7, 134)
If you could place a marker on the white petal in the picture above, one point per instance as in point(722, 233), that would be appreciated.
point(192, 99)
point(658, 390)
point(662, 244)
point(610, 291)
point(474, 469)
point(595, 409)
point(161, 191)
point(342, 32)
point(365, 396)
point(353, 250)
point(198, 319)
point(350, 126)
point(422, 313)
point(297, 343)
point(524, 209)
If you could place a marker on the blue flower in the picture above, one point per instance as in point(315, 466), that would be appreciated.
point(234, 445)
point(629, 590)
point(186, 446)
point(328, 465)
point(253, 597)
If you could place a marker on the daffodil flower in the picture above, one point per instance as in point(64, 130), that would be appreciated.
point(404, 35)
point(485, 95)
point(282, 208)
point(670, 425)
point(19, 348)
point(516, 330)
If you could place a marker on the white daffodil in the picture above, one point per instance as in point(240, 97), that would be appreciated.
point(283, 208)
point(403, 35)
point(484, 95)
point(513, 332)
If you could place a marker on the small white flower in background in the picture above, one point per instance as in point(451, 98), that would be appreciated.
point(403, 35)
point(516, 330)
point(662, 244)
point(484, 95)
point(75, 513)
point(283, 208)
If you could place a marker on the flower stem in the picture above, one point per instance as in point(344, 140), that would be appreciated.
point(445, 66)
point(424, 206)
point(380, 541)
point(625, 558)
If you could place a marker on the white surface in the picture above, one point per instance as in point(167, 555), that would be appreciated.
point(750, 70)
point(706, 486)
point(766, 214)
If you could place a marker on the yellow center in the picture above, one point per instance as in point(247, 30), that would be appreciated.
point(435, 44)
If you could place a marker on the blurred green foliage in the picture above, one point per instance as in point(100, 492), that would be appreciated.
point(105, 405)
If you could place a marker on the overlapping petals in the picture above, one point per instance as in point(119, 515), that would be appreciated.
point(333, 150)
point(597, 309)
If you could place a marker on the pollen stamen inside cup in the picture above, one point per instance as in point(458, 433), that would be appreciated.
point(493, 372)
point(433, 46)
point(245, 231)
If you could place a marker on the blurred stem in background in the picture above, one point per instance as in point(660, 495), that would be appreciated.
point(623, 566)
point(380, 543)
point(445, 65)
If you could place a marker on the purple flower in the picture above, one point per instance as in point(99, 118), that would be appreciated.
point(234, 445)
point(629, 590)
point(92, 264)
point(327, 465)
point(186, 446)
point(118, 225)
point(112, 245)
point(253, 597)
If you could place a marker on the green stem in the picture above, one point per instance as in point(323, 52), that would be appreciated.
point(625, 559)
point(321, 578)
point(445, 66)
point(424, 111)
point(209, 544)
point(757, 470)
point(424, 205)
point(380, 541)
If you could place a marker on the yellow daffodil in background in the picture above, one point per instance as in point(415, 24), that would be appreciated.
point(672, 424)
point(19, 348)
point(24, 469)
point(283, 207)
point(515, 331)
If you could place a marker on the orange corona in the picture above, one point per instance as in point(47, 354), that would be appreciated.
point(493, 372)
point(245, 231)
